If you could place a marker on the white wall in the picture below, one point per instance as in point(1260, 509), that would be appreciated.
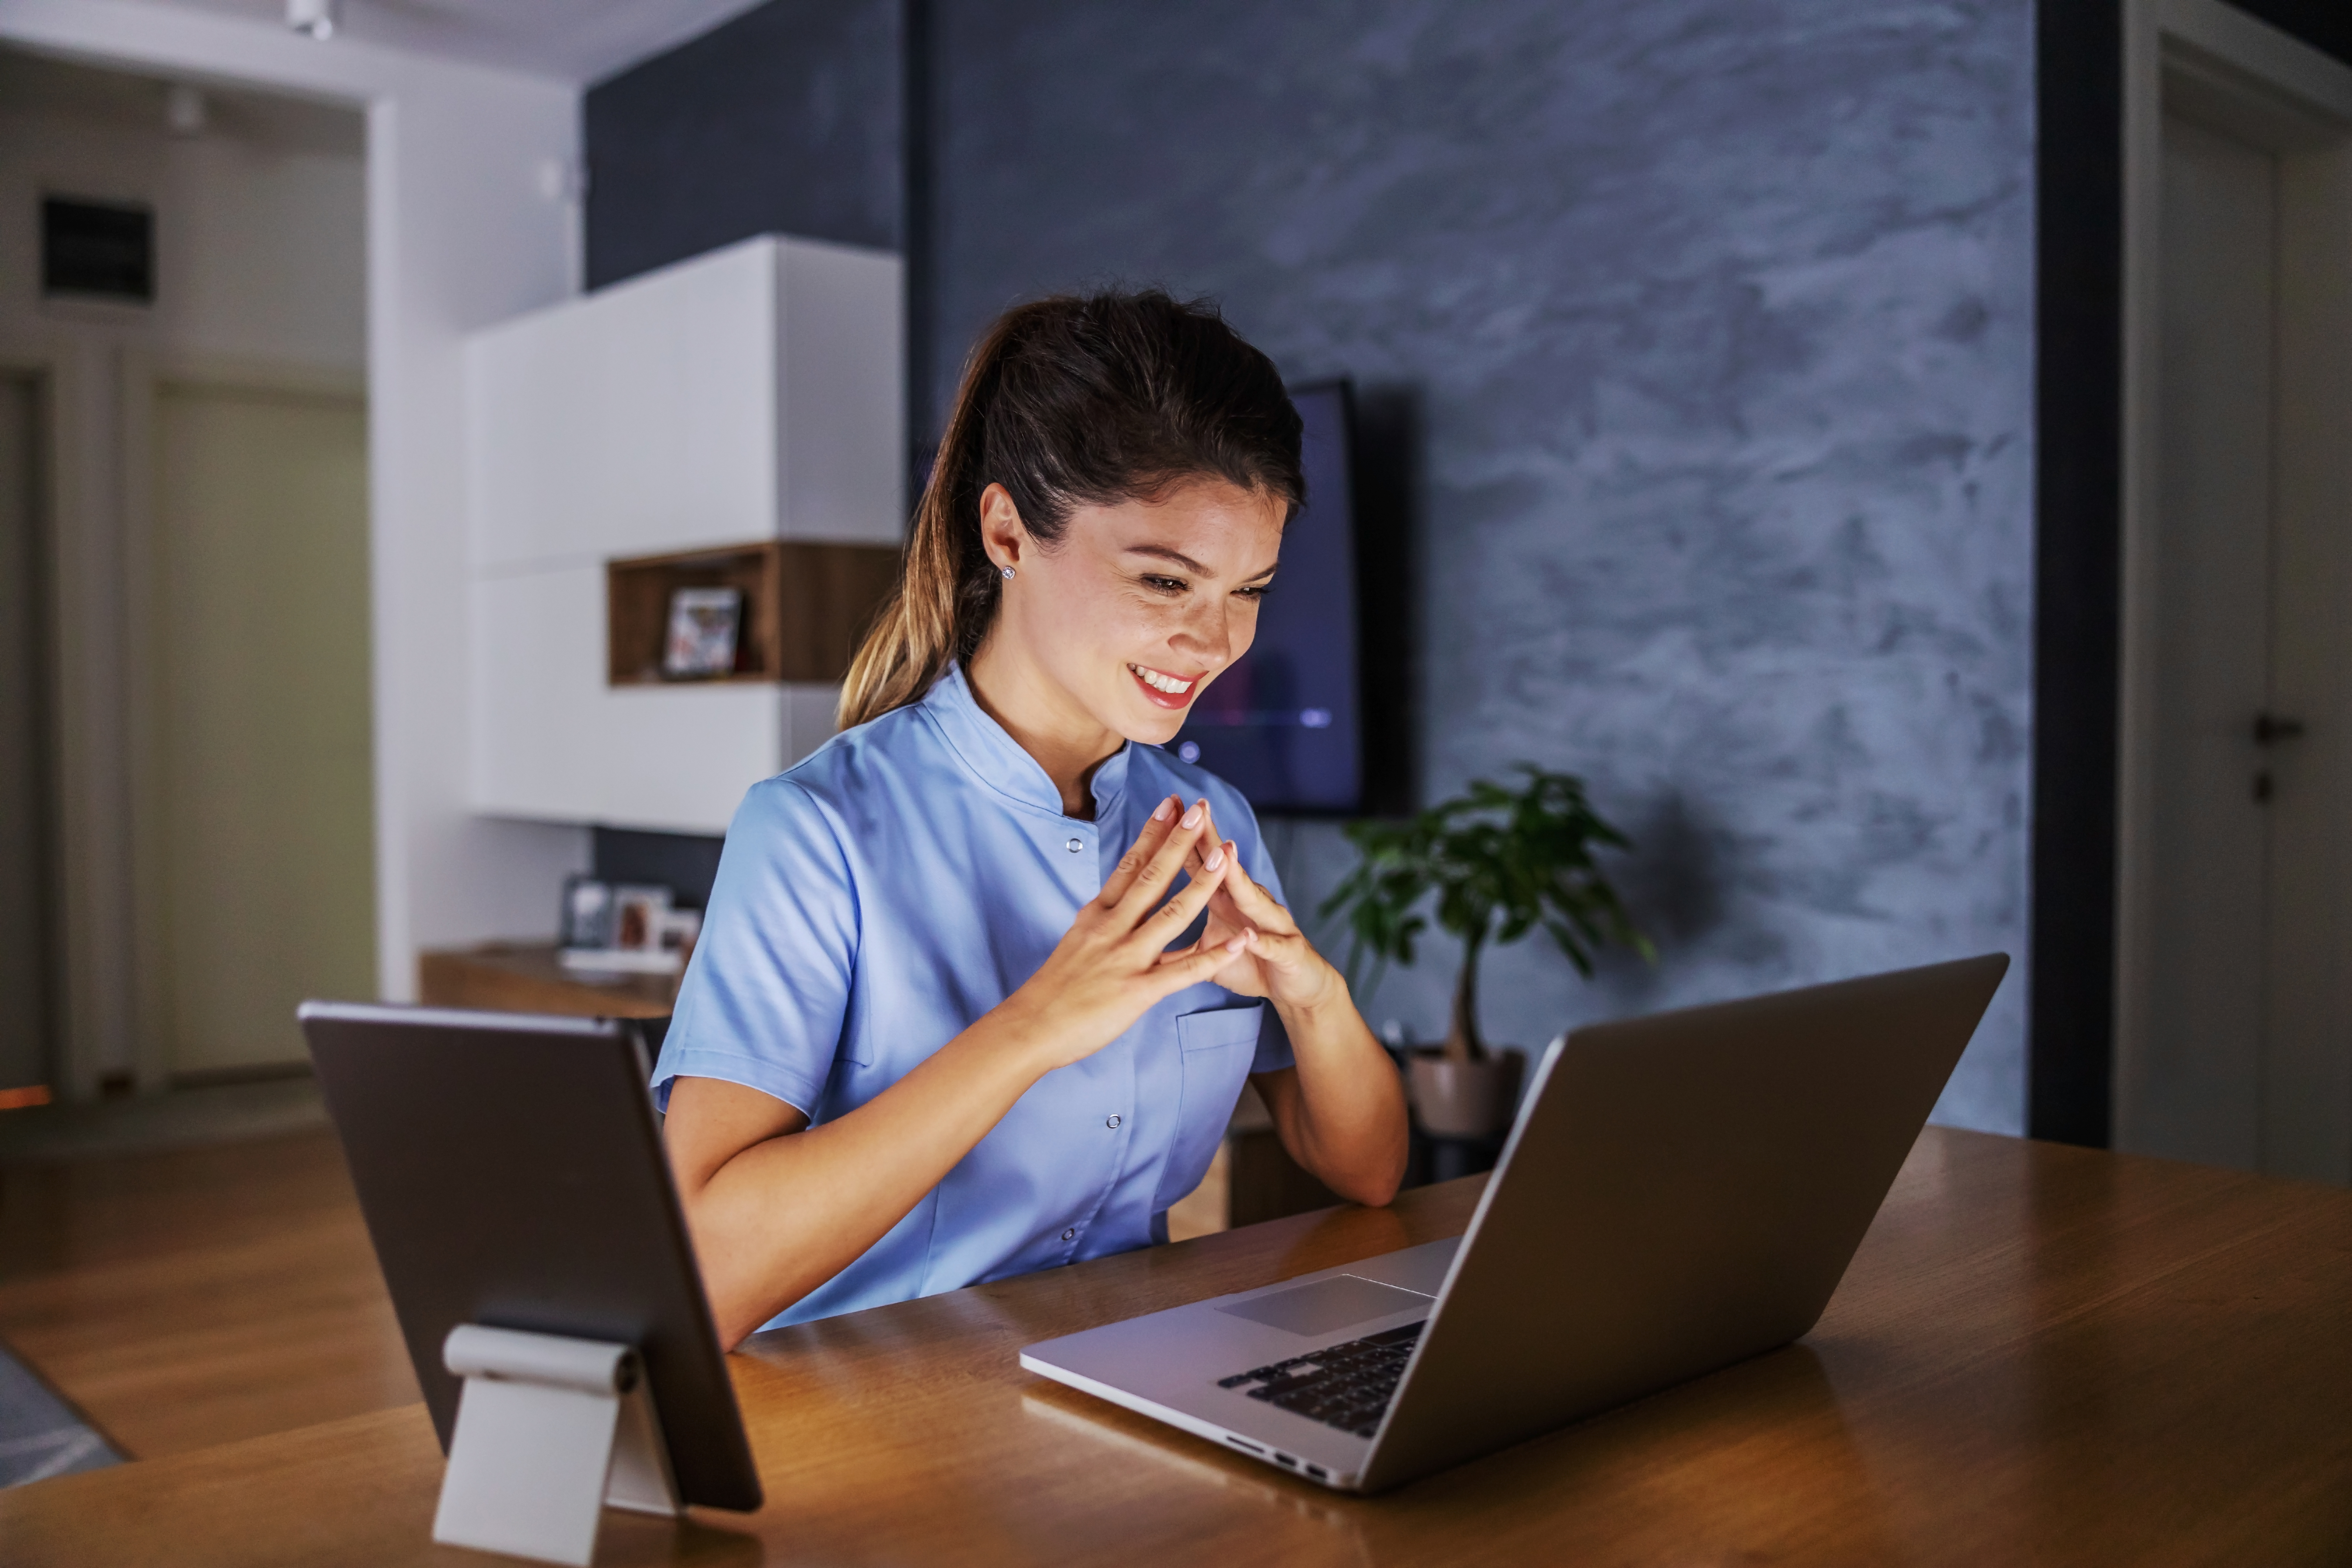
point(243, 289)
point(262, 250)
point(459, 234)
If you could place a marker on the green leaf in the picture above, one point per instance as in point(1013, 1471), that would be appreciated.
point(1491, 864)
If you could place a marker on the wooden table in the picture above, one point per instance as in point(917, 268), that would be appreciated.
point(2041, 1355)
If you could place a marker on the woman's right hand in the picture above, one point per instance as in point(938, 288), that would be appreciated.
point(1113, 965)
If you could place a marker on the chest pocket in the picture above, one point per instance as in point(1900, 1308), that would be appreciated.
point(1216, 1049)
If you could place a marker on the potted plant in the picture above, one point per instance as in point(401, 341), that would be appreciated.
point(1499, 863)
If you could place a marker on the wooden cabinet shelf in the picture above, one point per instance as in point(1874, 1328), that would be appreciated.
point(805, 607)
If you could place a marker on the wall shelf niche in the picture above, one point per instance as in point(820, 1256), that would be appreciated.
point(805, 606)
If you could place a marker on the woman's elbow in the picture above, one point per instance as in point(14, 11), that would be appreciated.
point(1373, 1182)
point(1376, 1194)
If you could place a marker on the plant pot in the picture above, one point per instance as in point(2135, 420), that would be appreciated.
point(1463, 1099)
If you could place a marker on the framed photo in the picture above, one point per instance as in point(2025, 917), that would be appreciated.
point(586, 919)
point(705, 624)
point(638, 913)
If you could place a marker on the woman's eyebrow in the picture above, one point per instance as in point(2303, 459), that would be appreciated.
point(1162, 552)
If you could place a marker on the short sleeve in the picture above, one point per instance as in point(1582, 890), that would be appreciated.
point(764, 998)
point(1273, 1052)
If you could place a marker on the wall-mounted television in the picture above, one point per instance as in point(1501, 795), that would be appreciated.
point(1287, 725)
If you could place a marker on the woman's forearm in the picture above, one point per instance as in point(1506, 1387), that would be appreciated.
point(1341, 1112)
point(777, 1219)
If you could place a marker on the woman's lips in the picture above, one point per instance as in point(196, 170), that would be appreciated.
point(1163, 690)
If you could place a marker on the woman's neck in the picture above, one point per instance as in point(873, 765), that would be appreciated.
point(1066, 741)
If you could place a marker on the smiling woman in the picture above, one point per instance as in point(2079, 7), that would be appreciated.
point(982, 980)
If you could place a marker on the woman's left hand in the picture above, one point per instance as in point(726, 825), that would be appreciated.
point(1279, 961)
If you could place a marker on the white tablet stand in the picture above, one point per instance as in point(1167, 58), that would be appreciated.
point(550, 1430)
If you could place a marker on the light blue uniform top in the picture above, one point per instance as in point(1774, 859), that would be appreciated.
point(875, 900)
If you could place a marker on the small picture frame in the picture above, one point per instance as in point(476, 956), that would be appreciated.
point(586, 919)
point(705, 626)
point(638, 913)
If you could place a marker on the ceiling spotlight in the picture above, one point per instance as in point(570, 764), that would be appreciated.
point(314, 18)
point(184, 110)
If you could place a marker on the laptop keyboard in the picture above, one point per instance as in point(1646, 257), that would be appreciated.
point(1346, 1386)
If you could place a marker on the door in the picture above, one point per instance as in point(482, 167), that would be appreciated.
point(2236, 1044)
point(262, 792)
point(27, 929)
point(2210, 821)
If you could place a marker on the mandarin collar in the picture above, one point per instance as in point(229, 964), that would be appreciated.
point(999, 762)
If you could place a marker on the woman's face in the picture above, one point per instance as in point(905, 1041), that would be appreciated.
point(1137, 607)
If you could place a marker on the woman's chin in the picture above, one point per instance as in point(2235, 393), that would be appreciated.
point(1153, 726)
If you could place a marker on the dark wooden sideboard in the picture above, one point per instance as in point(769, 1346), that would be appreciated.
point(527, 977)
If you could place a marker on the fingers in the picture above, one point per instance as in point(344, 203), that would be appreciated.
point(1248, 903)
point(1253, 902)
point(1285, 951)
point(1147, 844)
point(1179, 969)
point(1177, 913)
point(1155, 872)
point(1209, 834)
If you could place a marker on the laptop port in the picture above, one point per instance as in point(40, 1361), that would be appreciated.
point(1285, 1459)
point(1250, 1447)
point(1318, 1472)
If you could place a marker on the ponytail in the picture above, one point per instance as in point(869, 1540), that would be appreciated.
point(1068, 401)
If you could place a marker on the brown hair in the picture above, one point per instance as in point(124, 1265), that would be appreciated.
point(1068, 401)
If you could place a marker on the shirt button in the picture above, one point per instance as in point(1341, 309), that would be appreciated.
point(1068, 1233)
point(1076, 845)
point(1112, 1122)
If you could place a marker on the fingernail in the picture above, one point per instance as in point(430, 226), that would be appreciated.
point(1238, 942)
point(1192, 817)
point(1216, 857)
point(1166, 807)
point(1232, 848)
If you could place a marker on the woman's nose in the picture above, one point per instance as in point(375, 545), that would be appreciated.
point(1205, 636)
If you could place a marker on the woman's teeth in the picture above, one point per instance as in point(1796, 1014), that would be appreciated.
point(1159, 683)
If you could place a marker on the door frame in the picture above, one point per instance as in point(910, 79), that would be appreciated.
point(145, 375)
point(2286, 95)
point(89, 892)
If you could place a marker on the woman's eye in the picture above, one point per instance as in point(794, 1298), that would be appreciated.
point(1256, 591)
point(1165, 585)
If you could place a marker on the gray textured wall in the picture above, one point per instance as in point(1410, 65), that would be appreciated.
point(1714, 317)
point(785, 121)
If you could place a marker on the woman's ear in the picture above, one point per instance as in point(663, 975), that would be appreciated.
point(1001, 530)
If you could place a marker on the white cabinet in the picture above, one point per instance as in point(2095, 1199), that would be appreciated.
point(755, 393)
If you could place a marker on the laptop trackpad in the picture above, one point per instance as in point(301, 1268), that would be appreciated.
point(1326, 1305)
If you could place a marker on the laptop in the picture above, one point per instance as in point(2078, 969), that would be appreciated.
point(1680, 1193)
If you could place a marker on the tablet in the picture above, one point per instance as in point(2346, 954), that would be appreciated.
point(511, 1171)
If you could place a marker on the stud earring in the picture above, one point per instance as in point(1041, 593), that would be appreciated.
point(1008, 573)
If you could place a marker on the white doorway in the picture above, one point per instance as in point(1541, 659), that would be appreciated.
point(255, 798)
point(28, 926)
point(2234, 1013)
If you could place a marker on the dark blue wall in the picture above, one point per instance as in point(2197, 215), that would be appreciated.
point(1704, 325)
point(786, 120)
point(1715, 317)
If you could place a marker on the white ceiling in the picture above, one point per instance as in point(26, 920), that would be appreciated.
point(575, 40)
